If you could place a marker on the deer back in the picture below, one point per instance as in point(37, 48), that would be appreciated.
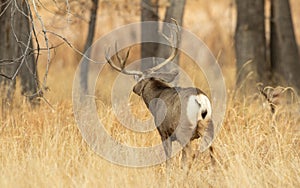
point(169, 107)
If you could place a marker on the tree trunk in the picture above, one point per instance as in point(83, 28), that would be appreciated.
point(91, 32)
point(149, 13)
point(16, 50)
point(284, 52)
point(250, 44)
point(28, 72)
point(8, 51)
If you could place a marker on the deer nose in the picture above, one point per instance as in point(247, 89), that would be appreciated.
point(203, 114)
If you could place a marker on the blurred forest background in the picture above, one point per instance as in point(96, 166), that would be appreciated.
point(42, 42)
point(254, 41)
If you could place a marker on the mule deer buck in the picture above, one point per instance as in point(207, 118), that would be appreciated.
point(186, 113)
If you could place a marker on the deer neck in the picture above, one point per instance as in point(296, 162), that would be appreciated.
point(152, 90)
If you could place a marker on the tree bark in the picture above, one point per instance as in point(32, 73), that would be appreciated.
point(16, 50)
point(149, 13)
point(28, 71)
point(89, 40)
point(250, 44)
point(8, 51)
point(283, 47)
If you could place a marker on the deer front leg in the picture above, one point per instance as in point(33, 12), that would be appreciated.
point(167, 143)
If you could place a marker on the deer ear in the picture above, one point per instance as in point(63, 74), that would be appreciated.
point(208, 137)
point(166, 76)
point(138, 88)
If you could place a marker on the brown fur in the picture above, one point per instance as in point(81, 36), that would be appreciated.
point(175, 99)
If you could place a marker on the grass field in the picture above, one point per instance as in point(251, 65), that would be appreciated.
point(42, 146)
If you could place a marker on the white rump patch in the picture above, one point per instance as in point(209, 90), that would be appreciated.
point(196, 106)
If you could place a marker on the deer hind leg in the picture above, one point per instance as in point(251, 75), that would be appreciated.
point(187, 158)
point(211, 154)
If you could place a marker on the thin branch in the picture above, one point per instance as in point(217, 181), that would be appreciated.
point(13, 12)
point(5, 76)
point(46, 41)
point(23, 59)
point(61, 11)
point(71, 46)
point(4, 62)
point(37, 44)
point(8, 2)
point(20, 10)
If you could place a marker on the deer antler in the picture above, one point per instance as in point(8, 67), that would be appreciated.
point(122, 62)
point(172, 44)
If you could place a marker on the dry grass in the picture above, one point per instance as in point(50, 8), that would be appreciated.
point(43, 148)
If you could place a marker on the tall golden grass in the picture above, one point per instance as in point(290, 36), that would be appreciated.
point(42, 146)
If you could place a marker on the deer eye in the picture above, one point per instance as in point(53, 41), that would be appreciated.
point(203, 114)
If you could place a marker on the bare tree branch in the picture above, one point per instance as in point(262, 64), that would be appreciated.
point(17, 61)
point(71, 46)
point(8, 2)
point(46, 41)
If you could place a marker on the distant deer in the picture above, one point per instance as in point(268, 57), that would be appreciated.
point(187, 112)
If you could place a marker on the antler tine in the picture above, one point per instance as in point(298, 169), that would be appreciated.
point(174, 48)
point(122, 62)
point(117, 54)
point(127, 55)
point(110, 62)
